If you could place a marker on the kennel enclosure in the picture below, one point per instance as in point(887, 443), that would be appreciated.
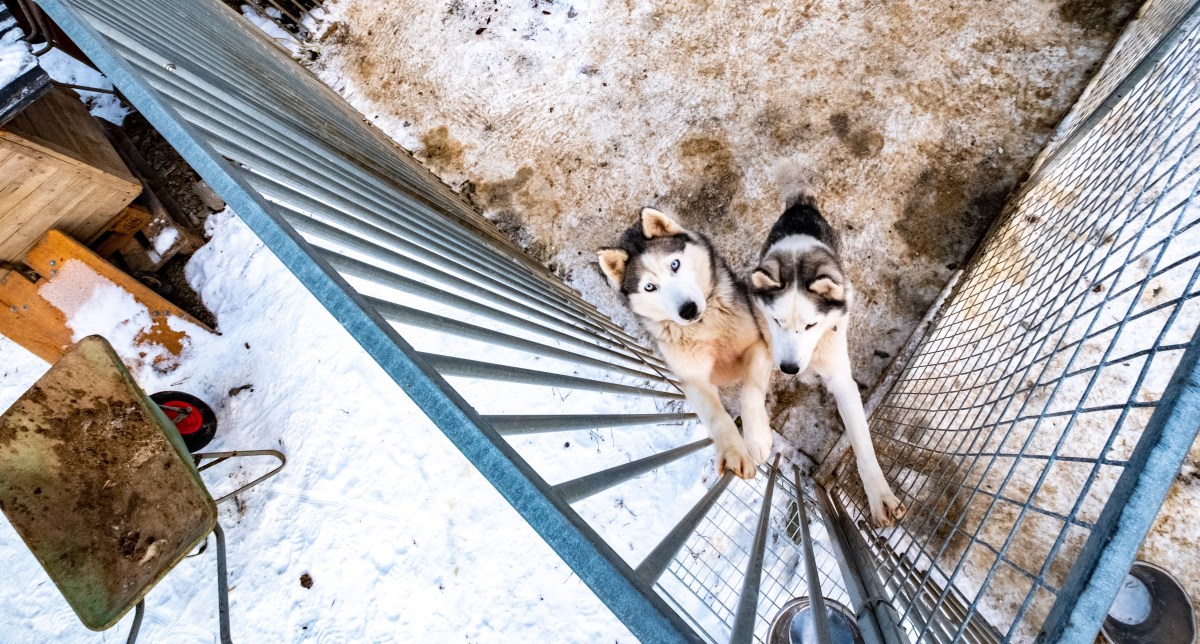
point(1033, 433)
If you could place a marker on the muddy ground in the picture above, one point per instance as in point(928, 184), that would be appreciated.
point(911, 120)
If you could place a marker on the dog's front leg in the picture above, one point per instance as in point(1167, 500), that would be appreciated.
point(731, 451)
point(756, 422)
point(885, 507)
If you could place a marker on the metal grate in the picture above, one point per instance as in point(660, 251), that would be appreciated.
point(705, 580)
point(1024, 422)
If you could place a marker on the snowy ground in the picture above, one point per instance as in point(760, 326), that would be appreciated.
point(15, 58)
point(403, 539)
point(561, 119)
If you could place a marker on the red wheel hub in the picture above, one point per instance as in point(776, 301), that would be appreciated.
point(187, 422)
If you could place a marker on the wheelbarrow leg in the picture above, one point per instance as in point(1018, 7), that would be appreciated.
point(137, 621)
point(220, 457)
point(222, 587)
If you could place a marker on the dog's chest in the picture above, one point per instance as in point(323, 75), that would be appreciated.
point(728, 365)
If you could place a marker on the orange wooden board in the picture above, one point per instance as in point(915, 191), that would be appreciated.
point(36, 323)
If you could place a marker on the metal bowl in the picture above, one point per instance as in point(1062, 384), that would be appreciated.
point(1151, 608)
point(795, 625)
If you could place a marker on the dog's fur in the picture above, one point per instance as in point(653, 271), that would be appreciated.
point(804, 299)
point(701, 317)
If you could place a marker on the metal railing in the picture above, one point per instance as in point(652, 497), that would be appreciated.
point(981, 432)
point(1038, 426)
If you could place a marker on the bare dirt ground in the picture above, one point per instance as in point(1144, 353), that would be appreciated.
point(912, 121)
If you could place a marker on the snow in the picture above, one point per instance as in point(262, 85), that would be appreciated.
point(66, 69)
point(163, 241)
point(15, 58)
point(403, 539)
point(266, 19)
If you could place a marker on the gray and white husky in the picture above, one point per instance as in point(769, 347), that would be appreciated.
point(805, 299)
point(701, 318)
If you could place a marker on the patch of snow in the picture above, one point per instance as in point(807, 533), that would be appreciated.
point(164, 240)
point(265, 21)
point(65, 69)
point(15, 58)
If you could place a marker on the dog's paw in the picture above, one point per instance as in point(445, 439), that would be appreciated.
point(759, 443)
point(886, 509)
point(734, 458)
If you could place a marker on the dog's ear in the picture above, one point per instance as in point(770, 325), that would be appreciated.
point(828, 287)
point(764, 278)
point(659, 224)
point(612, 262)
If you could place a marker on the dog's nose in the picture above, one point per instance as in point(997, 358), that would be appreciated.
point(789, 368)
point(689, 311)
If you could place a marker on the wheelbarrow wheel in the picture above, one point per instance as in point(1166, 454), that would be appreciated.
point(194, 419)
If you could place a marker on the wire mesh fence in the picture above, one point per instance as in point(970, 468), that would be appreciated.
point(1017, 427)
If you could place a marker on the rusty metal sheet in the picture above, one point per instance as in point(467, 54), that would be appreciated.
point(97, 484)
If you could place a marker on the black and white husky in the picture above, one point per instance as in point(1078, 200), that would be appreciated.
point(703, 322)
point(805, 299)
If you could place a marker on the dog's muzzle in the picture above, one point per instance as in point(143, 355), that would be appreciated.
point(689, 311)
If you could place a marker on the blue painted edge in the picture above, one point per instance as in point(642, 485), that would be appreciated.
point(1131, 509)
point(613, 581)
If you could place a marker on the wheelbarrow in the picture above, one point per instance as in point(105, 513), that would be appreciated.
point(99, 484)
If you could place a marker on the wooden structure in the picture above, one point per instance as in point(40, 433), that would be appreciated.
point(30, 319)
point(58, 171)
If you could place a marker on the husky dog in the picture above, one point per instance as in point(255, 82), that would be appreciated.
point(805, 298)
point(701, 317)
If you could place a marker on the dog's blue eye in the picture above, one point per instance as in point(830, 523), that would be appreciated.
point(674, 266)
point(651, 287)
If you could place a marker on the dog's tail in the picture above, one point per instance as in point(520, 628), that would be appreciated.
point(794, 182)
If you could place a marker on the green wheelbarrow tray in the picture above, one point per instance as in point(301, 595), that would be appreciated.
point(99, 484)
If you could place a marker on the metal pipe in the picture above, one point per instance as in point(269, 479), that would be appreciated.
point(220, 457)
point(877, 599)
point(585, 486)
point(655, 563)
point(486, 287)
point(509, 425)
point(354, 268)
point(401, 314)
point(815, 597)
point(348, 266)
point(138, 612)
point(222, 585)
point(747, 608)
point(463, 368)
point(851, 575)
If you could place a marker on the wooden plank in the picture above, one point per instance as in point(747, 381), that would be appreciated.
point(34, 146)
point(49, 208)
point(32, 215)
point(60, 121)
point(130, 220)
point(29, 320)
point(39, 192)
point(55, 249)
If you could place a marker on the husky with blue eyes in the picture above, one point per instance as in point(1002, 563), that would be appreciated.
point(703, 322)
point(804, 298)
